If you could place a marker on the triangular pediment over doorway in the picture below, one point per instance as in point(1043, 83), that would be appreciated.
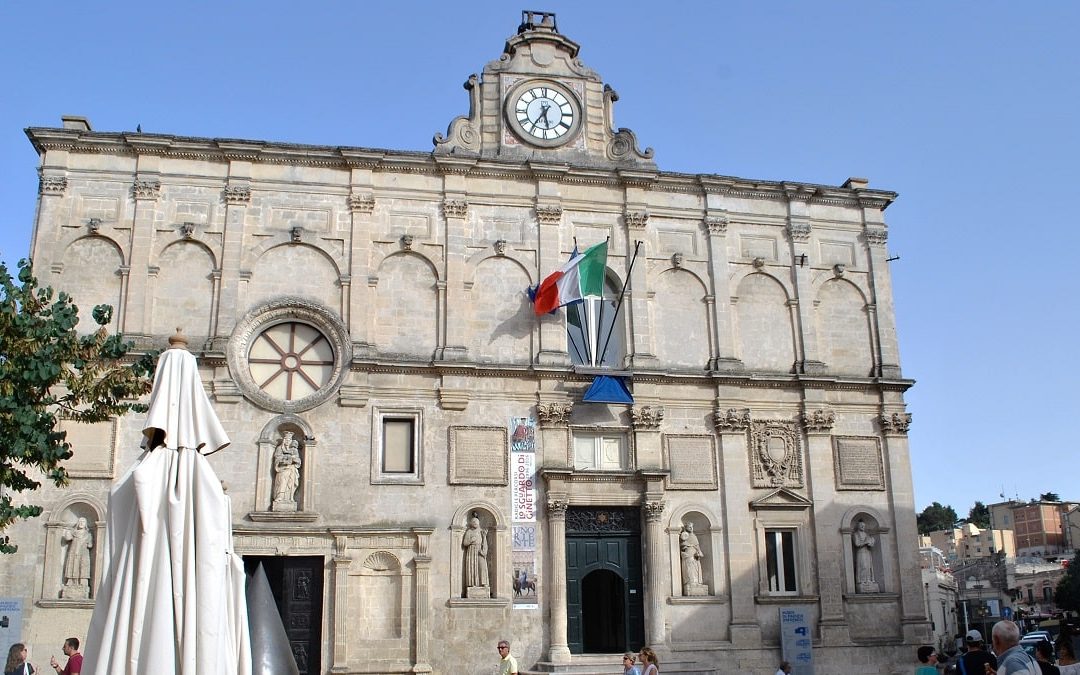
point(781, 498)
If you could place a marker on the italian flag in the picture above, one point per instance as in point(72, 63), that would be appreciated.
point(581, 277)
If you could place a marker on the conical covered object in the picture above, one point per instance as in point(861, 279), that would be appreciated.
point(171, 600)
point(271, 654)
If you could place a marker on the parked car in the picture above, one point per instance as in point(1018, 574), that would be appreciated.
point(1028, 644)
point(1038, 635)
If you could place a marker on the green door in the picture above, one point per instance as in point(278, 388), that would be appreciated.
point(605, 609)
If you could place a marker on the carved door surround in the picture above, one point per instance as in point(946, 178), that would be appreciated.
point(572, 492)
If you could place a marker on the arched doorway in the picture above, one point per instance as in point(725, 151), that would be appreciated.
point(604, 609)
point(603, 615)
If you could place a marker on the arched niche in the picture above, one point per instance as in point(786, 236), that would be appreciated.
point(876, 527)
point(269, 439)
point(706, 528)
point(382, 590)
point(492, 525)
point(60, 538)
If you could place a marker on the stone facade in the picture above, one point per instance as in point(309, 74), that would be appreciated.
point(372, 303)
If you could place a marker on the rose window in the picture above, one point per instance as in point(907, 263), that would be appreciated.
point(290, 361)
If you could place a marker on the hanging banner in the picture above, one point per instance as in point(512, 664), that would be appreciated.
point(523, 510)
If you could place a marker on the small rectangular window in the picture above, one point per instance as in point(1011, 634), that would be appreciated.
point(593, 451)
point(397, 445)
point(396, 448)
point(780, 561)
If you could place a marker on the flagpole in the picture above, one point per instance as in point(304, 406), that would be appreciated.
point(622, 293)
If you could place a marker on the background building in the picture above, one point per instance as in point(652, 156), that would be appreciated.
point(942, 597)
point(961, 544)
point(365, 310)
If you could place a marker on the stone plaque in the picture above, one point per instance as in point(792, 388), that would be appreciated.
point(858, 463)
point(93, 448)
point(691, 459)
point(479, 456)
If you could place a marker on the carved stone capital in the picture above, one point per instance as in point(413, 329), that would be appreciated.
point(556, 508)
point(146, 189)
point(731, 420)
point(554, 414)
point(716, 225)
point(52, 185)
point(636, 219)
point(455, 208)
point(647, 417)
point(819, 420)
point(654, 510)
point(237, 195)
point(549, 215)
point(876, 236)
point(361, 203)
point(897, 423)
point(799, 231)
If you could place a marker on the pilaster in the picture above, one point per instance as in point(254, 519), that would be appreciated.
point(361, 202)
point(340, 563)
point(882, 311)
point(894, 428)
point(455, 209)
point(640, 339)
point(422, 569)
point(237, 197)
point(716, 226)
point(733, 425)
point(145, 191)
point(818, 423)
point(549, 213)
point(799, 231)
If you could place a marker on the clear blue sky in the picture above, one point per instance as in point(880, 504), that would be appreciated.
point(968, 110)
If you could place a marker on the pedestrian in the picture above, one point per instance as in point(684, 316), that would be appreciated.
point(629, 664)
point(1044, 656)
point(16, 661)
point(974, 661)
point(1012, 659)
point(507, 664)
point(74, 662)
point(784, 669)
point(928, 658)
point(649, 661)
point(1067, 663)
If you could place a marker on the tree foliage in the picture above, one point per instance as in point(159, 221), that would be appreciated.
point(979, 515)
point(936, 517)
point(49, 372)
point(1049, 497)
point(1067, 595)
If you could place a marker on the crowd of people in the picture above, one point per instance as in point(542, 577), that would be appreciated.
point(1005, 657)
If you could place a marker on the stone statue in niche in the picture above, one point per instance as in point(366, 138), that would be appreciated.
point(475, 545)
point(690, 552)
point(77, 563)
point(286, 473)
point(864, 542)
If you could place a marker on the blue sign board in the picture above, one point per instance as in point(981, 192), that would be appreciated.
point(796, 640)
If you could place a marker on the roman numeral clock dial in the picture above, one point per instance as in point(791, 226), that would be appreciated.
point(543, 113)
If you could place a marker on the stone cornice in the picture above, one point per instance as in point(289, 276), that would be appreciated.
point(267, 152)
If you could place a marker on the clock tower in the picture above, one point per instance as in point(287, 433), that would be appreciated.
point(539, 102)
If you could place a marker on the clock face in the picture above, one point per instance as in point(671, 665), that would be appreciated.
point(543, 114)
